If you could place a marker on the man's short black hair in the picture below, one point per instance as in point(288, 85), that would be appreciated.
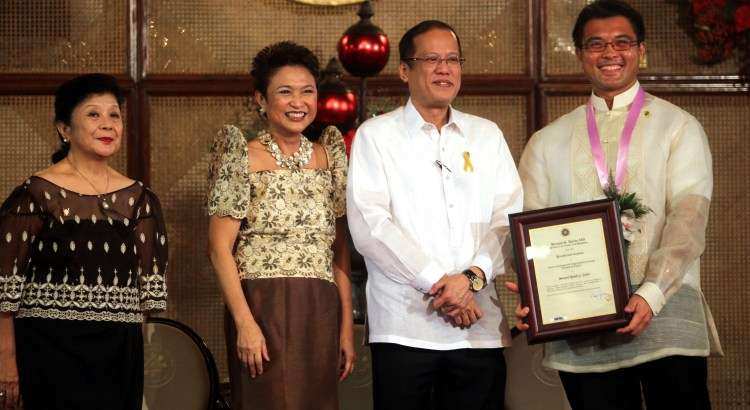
point(602, 9)
point(406, 46)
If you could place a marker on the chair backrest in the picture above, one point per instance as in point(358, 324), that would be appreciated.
point(179, 370)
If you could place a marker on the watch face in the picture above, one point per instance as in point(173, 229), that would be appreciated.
point(476, 283)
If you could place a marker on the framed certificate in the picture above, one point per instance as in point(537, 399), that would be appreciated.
point(571, 269)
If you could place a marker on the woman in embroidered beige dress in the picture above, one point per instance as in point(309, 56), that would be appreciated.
point(277, 242)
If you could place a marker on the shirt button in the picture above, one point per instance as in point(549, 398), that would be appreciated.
point(442, 149)
point(450, 206)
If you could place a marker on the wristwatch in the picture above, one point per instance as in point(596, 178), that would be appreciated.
point(476, 282)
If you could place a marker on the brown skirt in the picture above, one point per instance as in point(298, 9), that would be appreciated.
point(299, 318)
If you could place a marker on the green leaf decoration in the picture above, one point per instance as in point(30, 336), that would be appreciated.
point(626, 200)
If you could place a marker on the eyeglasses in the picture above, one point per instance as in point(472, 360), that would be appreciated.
point(619, 44)
point(434, 61)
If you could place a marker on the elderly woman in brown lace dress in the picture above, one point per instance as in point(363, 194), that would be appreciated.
point(277, 241)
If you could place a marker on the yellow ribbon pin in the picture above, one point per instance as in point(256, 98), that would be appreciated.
point(468, 166)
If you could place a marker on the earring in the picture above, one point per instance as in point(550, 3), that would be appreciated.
point(262, 112)
point(66, 141)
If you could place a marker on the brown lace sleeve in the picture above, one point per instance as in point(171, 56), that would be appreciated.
point(20, 221)
point(153, 255)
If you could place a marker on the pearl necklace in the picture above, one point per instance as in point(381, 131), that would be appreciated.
point(295, 161)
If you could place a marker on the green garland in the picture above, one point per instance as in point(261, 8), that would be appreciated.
point(626, 200)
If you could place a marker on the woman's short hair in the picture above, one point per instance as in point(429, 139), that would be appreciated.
point(73, 92)
point(285, 53)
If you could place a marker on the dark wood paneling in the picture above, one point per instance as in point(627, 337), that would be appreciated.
point(46, 84)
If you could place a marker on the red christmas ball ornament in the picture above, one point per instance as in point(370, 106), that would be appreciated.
point(337, 104)
point(349, 139)
point(339, 109)
point(364, 48)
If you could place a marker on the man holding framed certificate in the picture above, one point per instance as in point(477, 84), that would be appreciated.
point(571, 267)
point(646, 146)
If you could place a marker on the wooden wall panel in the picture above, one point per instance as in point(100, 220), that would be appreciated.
point(191, 36)
point(190, 76)
point(64, 36)
point(669, 49)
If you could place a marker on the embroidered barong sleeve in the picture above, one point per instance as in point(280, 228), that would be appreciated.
point(20, 222)
point(371, 223)
point(683, 238)
point(229, 175)
point(493, 254)
point(153, 255)
point(532, 170)
point(333, 142)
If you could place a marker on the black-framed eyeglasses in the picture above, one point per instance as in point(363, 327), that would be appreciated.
point(434, 61)
point(618, 44)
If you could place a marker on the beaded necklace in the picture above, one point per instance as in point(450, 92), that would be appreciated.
point(296, 161)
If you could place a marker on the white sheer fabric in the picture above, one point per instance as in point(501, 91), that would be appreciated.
point(669, 168)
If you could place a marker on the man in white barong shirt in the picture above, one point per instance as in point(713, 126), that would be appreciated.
point(428, 197)
point(661, 352)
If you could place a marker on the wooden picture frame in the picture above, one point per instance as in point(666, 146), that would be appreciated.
point(571, 267)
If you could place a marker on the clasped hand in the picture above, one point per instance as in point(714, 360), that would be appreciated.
point(454, 300)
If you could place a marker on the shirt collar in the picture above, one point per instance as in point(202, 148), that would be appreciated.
point(621, 100)
point(416, 125)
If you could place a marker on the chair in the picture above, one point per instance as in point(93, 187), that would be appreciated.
point(179, 370)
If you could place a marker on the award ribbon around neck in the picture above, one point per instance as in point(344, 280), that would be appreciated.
point(624, 145)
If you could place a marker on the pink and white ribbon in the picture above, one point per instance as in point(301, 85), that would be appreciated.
point(622, 150)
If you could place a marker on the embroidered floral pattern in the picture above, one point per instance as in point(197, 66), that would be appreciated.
point(289, 216)
point(64, 256)
point(130, 317)
point(586, 187)
point(228, 174)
